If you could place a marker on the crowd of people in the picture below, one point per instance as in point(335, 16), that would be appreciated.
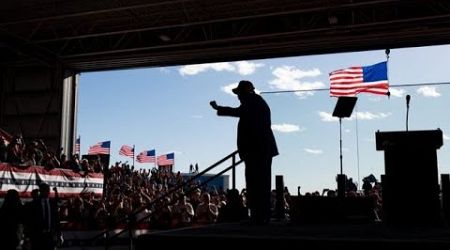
point(154, 195)
point(148, 199)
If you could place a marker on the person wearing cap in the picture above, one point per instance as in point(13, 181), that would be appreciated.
point(256, 146)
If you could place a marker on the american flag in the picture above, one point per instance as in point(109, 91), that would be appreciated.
point(354, 80)
point(101, 148)
point(167, 159)
point(5, 135)
point(77, 145)
point(126, 150)
point(146, 156)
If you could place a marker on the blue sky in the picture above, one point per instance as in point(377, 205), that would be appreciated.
point(167, 109)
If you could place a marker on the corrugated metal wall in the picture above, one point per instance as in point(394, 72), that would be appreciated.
point(32, 104)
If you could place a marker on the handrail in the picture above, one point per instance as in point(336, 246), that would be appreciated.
point(171, 191)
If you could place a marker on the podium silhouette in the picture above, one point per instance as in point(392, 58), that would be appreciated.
point(410, 185)
point(344, 108)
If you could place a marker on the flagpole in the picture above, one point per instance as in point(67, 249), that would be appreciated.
point(156, 161)
point(133, 155)
point(109, 154)
point(387, 52)
point(357, 144)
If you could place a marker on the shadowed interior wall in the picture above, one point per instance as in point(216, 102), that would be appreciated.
point(32, 104)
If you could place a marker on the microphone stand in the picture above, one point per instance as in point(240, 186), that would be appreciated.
point(408, 97)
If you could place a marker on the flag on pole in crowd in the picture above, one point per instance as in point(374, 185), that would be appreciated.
point(354, 80)
point(6, 136)
point(167, 159)
point(126, 150)
point(147, 156)
point(101, 148)
point(77, 145)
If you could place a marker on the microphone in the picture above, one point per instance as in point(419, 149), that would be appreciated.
point(408, 98)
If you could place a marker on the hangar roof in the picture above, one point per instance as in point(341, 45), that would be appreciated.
point(88, 35)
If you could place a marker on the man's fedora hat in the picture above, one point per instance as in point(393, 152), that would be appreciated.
point(244, 87)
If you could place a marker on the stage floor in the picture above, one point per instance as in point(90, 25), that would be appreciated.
point(285, 236)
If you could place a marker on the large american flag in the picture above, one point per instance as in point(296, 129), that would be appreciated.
point(101, 148)
point(126, 150)
point(77, 145)
point(354, 80)
point(146, 156)
point(167, 159)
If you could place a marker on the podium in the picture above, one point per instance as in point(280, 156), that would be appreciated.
point(410, 187)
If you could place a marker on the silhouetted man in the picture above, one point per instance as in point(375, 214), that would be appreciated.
point(256, 145)
point(44, 228)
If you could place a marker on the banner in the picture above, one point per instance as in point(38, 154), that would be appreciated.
point(68, 183)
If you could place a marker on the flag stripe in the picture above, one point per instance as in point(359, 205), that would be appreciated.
point(381, 84)
point(343, 90)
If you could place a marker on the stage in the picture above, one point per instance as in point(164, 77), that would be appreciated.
point(282, 235)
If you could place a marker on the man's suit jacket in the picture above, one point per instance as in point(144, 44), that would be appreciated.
point(254, 136)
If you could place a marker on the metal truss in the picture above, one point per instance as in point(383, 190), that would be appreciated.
point(105, 34)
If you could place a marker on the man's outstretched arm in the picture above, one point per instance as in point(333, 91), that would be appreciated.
point(225, 111)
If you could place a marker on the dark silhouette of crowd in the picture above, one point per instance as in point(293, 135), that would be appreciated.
point(150, 198)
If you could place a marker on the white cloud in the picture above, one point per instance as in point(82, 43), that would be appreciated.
point(288, 78)
point(164, 70)
point(446, 137)
point(375, 98)
point(371, 116)
point(347, 130)
point(396, 92)
point(242, 67)
point(428, 91)
point(247, 68)
point(198, 68)
point(224, 66)
point(327, 117)
point(197, 116)
point(229, 88)
point(313, 151)
point(287, 128)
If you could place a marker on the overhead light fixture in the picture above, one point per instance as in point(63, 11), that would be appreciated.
point(164, 38)
point(332, 19)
